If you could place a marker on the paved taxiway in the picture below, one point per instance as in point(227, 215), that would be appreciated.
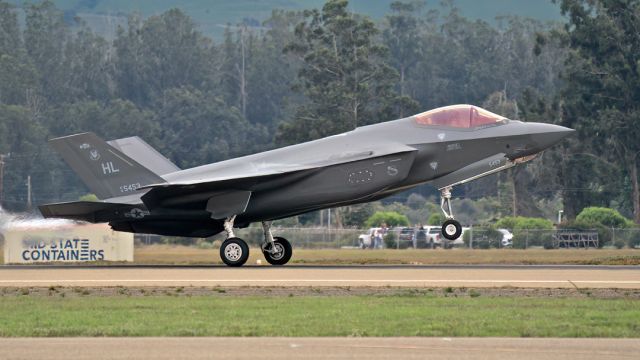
point(403, 276)
point(319, 348)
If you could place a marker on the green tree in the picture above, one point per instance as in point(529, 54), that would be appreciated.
point(344, 74)
point(390, 218)
point(22, 136)
point(233, 67)
point(17, 74)
point(603, 81)
point(436, 219)
point(18, 79)
point(528, 231)
point(88, 65)
point(197, 128)
point(402, 37)
point(357, 215)
point(272, 72)
point(45, 37)
point(608, 217)
point(569, 170)
point(10, 40)
point(163, 52)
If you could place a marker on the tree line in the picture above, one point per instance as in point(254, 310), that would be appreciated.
point(313, 73)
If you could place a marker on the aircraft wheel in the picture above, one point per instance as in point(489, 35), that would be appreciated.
point(234, 252)
point(451, 229)
point(283, 252)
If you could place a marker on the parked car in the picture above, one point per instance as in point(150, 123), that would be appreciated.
point(406, 237)
point(427, 237)
point(434, 238)
point(460, 240)
point(365, 241)
point(507, 238)
point(420, 238)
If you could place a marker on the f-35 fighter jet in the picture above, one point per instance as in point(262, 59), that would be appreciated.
point(143, 192)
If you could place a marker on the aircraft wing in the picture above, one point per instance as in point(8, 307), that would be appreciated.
point(239, 184)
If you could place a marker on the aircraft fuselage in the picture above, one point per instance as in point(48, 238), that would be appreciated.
point(429, 153)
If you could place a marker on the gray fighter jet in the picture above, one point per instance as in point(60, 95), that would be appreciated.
point(143, 192)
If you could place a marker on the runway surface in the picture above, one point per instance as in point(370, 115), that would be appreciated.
point(627, 277)
point(319, 348)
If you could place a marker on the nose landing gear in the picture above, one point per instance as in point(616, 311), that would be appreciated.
point(451, 228)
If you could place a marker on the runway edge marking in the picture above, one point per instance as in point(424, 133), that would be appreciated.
point(626, 282)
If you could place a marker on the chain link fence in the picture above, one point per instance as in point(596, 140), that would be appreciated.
point(427, 238)
point(310, 238)
point(625, 237)
point(485, 238)
point(489, 238)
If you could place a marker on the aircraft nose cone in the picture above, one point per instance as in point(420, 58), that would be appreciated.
point(547, 135)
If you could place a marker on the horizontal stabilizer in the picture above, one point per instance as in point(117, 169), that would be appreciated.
point(77, 210)
point(137, 149)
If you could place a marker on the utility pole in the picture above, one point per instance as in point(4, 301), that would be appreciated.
point(2, 156)
point(329, 224)
point(29, 192)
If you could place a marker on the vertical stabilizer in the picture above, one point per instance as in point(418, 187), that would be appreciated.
point(104, 169)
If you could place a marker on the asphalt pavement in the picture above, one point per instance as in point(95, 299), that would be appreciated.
point(318, 348)
point(627, 277)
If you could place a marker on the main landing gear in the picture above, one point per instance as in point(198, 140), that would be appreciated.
point(451, 229)
point(235, 251)
point(276, 250)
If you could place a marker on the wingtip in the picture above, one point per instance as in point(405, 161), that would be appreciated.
point(71, 136)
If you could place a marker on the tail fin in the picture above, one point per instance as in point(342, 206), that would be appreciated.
point(104, 169)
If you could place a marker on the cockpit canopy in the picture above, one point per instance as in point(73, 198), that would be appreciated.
point(458, 116)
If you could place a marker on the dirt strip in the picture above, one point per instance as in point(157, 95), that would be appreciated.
point(319, 348)
point(235, 291)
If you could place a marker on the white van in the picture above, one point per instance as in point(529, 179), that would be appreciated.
point(365, 241)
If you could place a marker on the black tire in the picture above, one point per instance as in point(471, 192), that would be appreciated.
point(283, 256)
point(448, 228)
point(234, 252)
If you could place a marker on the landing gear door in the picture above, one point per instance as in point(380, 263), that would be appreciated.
point(226, 204)
point(484, 167)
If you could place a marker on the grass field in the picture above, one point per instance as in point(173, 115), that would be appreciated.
point(186, 255)
point(164, 254)
point(412, 314)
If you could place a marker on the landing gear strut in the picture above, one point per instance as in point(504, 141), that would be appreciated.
point(451, 229)
point(233, 251)
point(276, 250)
